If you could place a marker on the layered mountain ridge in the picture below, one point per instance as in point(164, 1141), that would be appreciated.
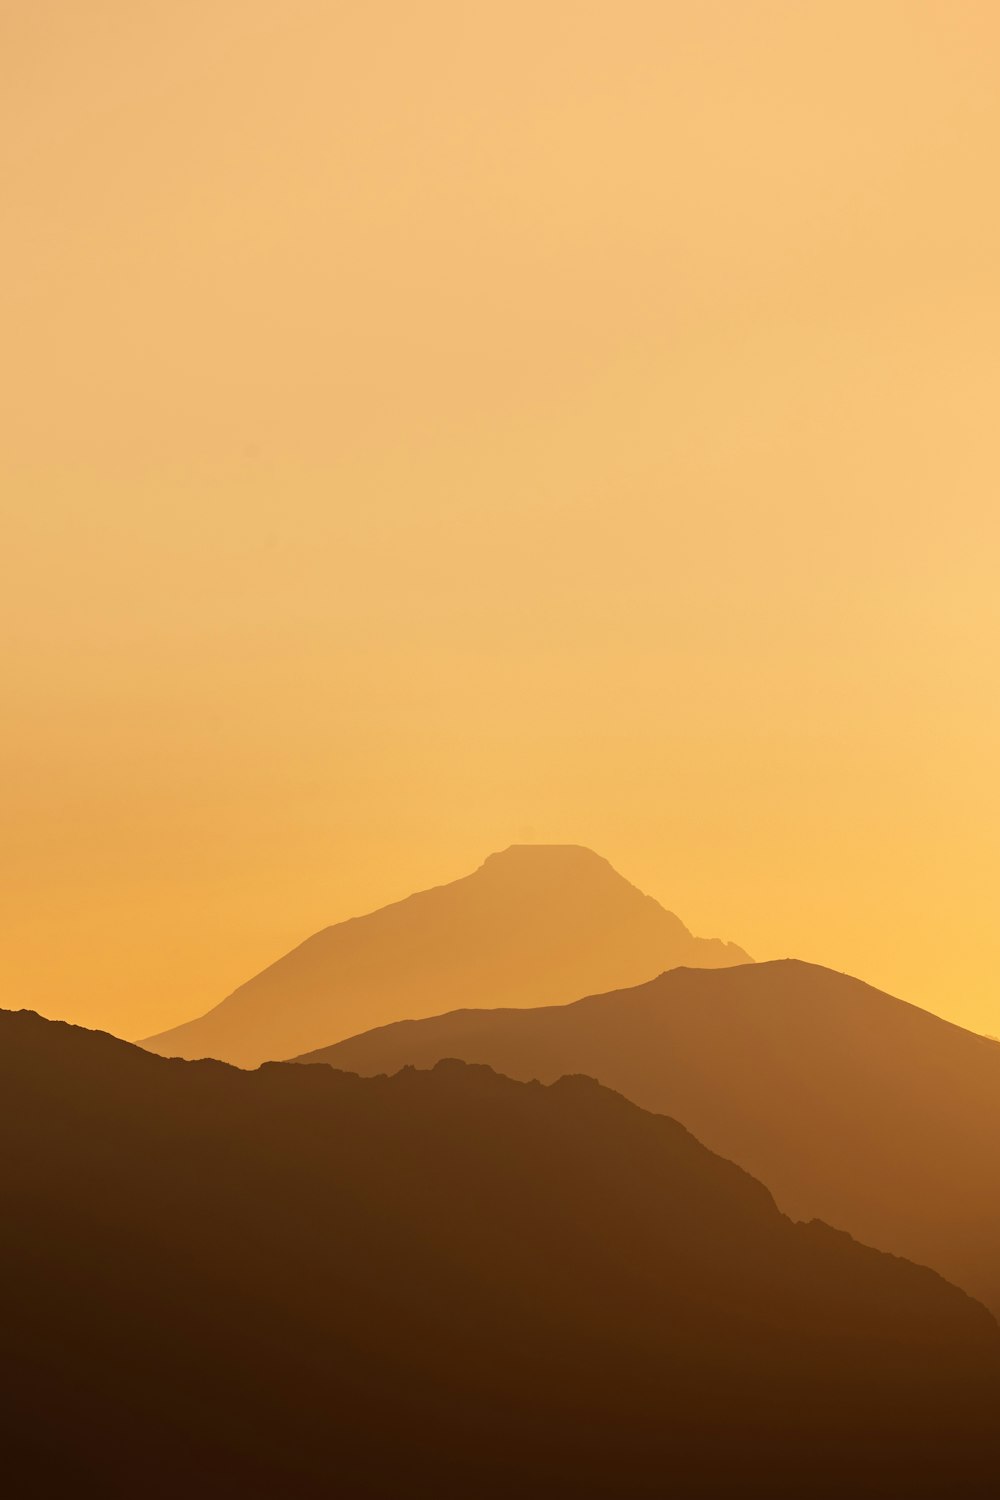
point(302, 1282)
point(853, 1106)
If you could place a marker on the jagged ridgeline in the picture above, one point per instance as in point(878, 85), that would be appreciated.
point(302, 1282)
point(851, 1105)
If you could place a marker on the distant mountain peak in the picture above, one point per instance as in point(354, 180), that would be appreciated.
point(535, 924)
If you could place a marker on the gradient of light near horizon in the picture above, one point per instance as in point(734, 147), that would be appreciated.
point(433, 427)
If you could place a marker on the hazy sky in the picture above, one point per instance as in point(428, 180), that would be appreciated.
point(433, 426)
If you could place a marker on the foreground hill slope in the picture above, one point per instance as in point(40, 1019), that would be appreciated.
point(852, 1106)
point(298, 1282)
point(534, 924)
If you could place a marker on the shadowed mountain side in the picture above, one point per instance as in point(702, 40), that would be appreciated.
point(534, 924)
point(302, 1282)
point(852, 1106)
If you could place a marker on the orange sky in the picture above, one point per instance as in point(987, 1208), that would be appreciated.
point(433, 426)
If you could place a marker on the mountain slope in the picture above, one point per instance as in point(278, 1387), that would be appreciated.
point(852, 1106)
point(534, 924)
point(301, 1282)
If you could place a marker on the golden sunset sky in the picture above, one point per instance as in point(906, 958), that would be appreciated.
point(433, 426)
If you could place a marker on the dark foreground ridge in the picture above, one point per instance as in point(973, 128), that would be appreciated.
point(301, 1282)
point(852, 1106)
point(535, 923)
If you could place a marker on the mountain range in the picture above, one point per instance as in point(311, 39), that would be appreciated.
point(298, 1281)
point(852, 1106)
point(535, 924)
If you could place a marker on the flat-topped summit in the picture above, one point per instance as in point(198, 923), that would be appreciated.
point(549, 871)
point(534, 924)
point(520, 858)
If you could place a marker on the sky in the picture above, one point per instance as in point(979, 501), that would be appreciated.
point(428, 428)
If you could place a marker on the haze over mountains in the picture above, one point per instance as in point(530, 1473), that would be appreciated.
point(299, 1282)
point(536, 924)
point(852, 1106)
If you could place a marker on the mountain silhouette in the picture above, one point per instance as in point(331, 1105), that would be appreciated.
point(852, 1106)
point(300, 1282)
point(534, 924)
